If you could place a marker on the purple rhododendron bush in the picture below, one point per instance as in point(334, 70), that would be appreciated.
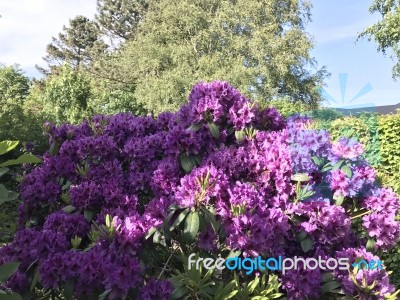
point(121, 202)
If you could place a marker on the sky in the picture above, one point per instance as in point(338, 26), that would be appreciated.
point(356, 68)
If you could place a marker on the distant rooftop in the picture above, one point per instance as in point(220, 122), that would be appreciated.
point(383, 110)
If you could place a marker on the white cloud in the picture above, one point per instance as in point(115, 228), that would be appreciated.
point(338, 33)
point(26, 27)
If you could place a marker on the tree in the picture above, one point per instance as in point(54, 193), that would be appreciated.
point(386, 32)
point(15, 122)
point(119, 18)
point(63, 96)
point(259, 46)
point(13, 84)
point(70, 96)
point(76, 45)
point(14, 87)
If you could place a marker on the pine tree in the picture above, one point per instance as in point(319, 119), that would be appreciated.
point(119, 18)
point(76, 45)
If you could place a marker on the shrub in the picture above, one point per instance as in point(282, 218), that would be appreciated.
point(121, 202)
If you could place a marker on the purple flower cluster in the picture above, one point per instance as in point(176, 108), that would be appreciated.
point(88, 207)
point(382, 285)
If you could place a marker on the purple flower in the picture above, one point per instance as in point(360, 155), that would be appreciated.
point(302, 284)
point(156, 289)
point(382, 285)
point(347, 148)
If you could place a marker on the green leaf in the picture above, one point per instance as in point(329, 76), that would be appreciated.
point(209, 217)
point(3, 192)
point(157, 237)
point(338, 165)
point(54, 147)
point(69, 289)
point(179, 292)
point(330, 286)
point(104, 295)
point(327, 167)
point(301, 236)
point(6, 195)
point(233, 254)
point(23, 159)
point(192, 223)
point(3, 171)
point(179, 219)
point(187, 162)
point(339, 200)
point(307, 244)
point(195, 127)
point(69, 209)
point(150, 232)
point(317, 160)
point(10, 296)
point(253, 284)
point(7, 146)
point(35, 279)
point(214, 130)
point(370, 245)
point(7, 269)
point(240, 135)
point(346, 169)
point(89, 214)
point(300, 177)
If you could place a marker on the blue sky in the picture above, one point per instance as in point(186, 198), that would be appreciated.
point(26, 27)
point(335, 27)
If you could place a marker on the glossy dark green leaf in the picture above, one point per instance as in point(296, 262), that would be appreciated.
point(7, 146)
point(187, 162)
point(104, 295)
point(7, 269)
point(195, 127)
point(307, 244)
point(328, 287)
point(179, 219)
point(3, 171)
point(89, 214)
point(214, 130)
point(370, 245)
point(23, 159)
point(69, 289)
point(192, 224)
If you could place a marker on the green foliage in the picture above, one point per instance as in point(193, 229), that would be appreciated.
point(259, 46)
point(389, 135)
point(260, 288)
point(70, 96)
point(16, 122)
point(6, 271)
point(76, 45)
point(391, 260)
point(324, 117)
point(63, 97)
point(386, 31)
point(111, 98)
point(5, 147)
point(286, 106)
point(120, 18)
